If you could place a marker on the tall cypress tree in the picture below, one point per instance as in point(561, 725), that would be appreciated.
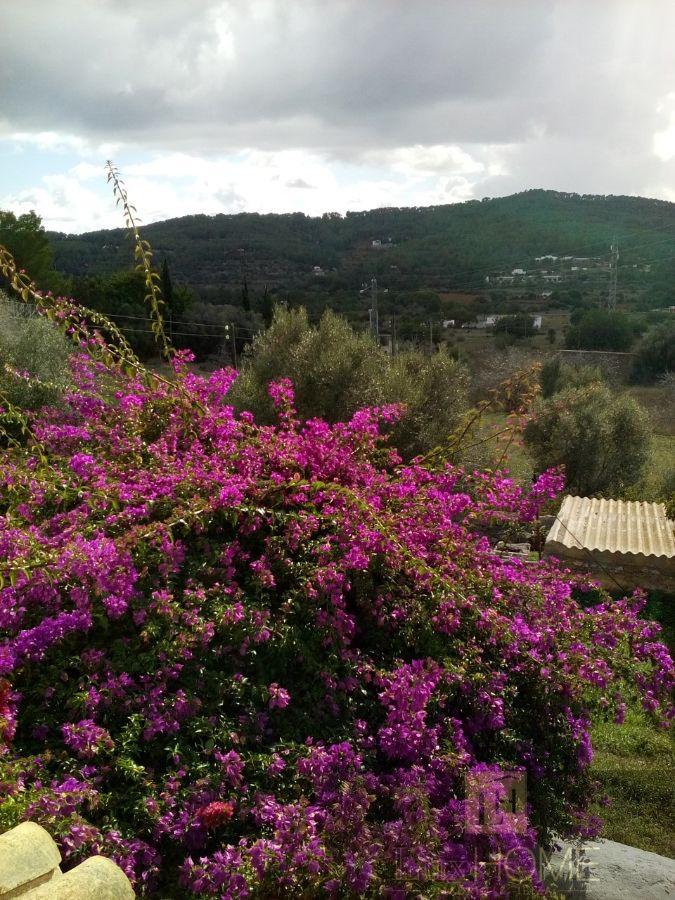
point(267, 307)
point(166, 285)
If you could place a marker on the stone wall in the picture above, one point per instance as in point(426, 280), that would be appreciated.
point(30, 869)
point(625, 577)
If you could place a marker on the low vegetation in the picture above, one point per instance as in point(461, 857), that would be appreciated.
point(556, 376)
point(634, 764)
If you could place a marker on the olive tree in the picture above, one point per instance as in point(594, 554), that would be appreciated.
point(33, 358)
point(556, 376)
point(655, 354)
point(601, 439)
point(336, 371)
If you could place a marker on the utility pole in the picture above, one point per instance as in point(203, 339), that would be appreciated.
point(373, 313)
point(234, 345)
point(225, 346)
point(431, 337)
point(375, 321)
point(613, 274)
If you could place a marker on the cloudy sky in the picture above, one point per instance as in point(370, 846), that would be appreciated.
point(320, 105)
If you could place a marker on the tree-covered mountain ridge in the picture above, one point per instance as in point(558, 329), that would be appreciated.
point(456, 246)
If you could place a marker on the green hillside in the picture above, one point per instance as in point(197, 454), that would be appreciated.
point(454, 247)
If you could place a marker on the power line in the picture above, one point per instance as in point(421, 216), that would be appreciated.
point(213, 325)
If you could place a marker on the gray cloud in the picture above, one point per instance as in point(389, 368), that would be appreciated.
point(568, 89)
point(300, 183)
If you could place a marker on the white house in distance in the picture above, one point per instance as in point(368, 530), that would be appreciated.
point(491, 320)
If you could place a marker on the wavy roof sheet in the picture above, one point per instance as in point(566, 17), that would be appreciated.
point(612, 529)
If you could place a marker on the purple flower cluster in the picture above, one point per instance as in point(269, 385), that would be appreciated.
point(86, 738)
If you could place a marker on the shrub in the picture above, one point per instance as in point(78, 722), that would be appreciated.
point(433, 391)
point(496, 368)
point(556, 376)
point(519, 325)
point(655, 355)
point(504, 341)
point(550, 376)
point(600, 329)
point(601, 439)
point(336, 371)
point(267, 660)
point(330, 366)
point(33, 358)
point(667, 490)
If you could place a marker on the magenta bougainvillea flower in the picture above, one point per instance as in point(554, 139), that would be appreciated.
point(253, 661)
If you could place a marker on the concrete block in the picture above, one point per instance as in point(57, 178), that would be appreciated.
point(96, 878)
point(607, 870)
point(28, 858)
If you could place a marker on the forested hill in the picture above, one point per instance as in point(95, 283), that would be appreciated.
point(442, 247)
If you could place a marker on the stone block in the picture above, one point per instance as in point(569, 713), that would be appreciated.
point(28, 858)
point(606, 870)
point(96, 878)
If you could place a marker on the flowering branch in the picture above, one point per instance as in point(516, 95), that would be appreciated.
point(143, 256)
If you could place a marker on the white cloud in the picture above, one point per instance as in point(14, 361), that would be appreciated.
point(664, 139)
point(425, 161)
point(57, 142)
point(178, 184)
point(64, 203)
point(235, 105)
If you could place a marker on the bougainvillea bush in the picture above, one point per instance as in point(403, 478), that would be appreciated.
point(267, 661)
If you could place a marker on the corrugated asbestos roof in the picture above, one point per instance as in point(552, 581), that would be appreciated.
point(613, 527)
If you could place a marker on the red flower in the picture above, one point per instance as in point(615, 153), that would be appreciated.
point(214, 814)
